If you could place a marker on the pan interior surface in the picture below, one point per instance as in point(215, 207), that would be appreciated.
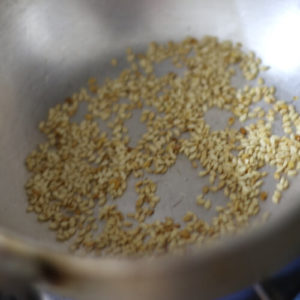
point(50, 49)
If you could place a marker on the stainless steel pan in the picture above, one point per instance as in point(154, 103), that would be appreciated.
point(48, 49)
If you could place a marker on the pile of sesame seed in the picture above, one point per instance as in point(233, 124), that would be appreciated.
point(80, 170)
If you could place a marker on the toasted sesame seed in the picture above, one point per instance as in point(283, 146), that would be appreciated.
point(205, 189)
point(263, 196)
point(185, 234)
point(188, 217)
point(243, 131)
point(81, 171)
point(207, 204)
point(231, 121)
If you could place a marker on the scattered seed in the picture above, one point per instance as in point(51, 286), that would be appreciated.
point(205, 189)
point(185, 234)
point(80, 171)
point(231, 121)
point(188, 217)
point(263, 196)
point(243, 131)
point(194, 164)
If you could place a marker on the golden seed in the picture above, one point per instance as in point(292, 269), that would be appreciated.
point(194, 164)
point(185, 234)
point(276, 175)
point(291, 165)
point(243, 131)
point(205, 189)
point(231, 121)
point(207, 204)
point(263, 196)
point(88, 117)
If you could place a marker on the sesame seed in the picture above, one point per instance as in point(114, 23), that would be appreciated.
point(79, 175)
point(243, 131)
point(263, 196)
